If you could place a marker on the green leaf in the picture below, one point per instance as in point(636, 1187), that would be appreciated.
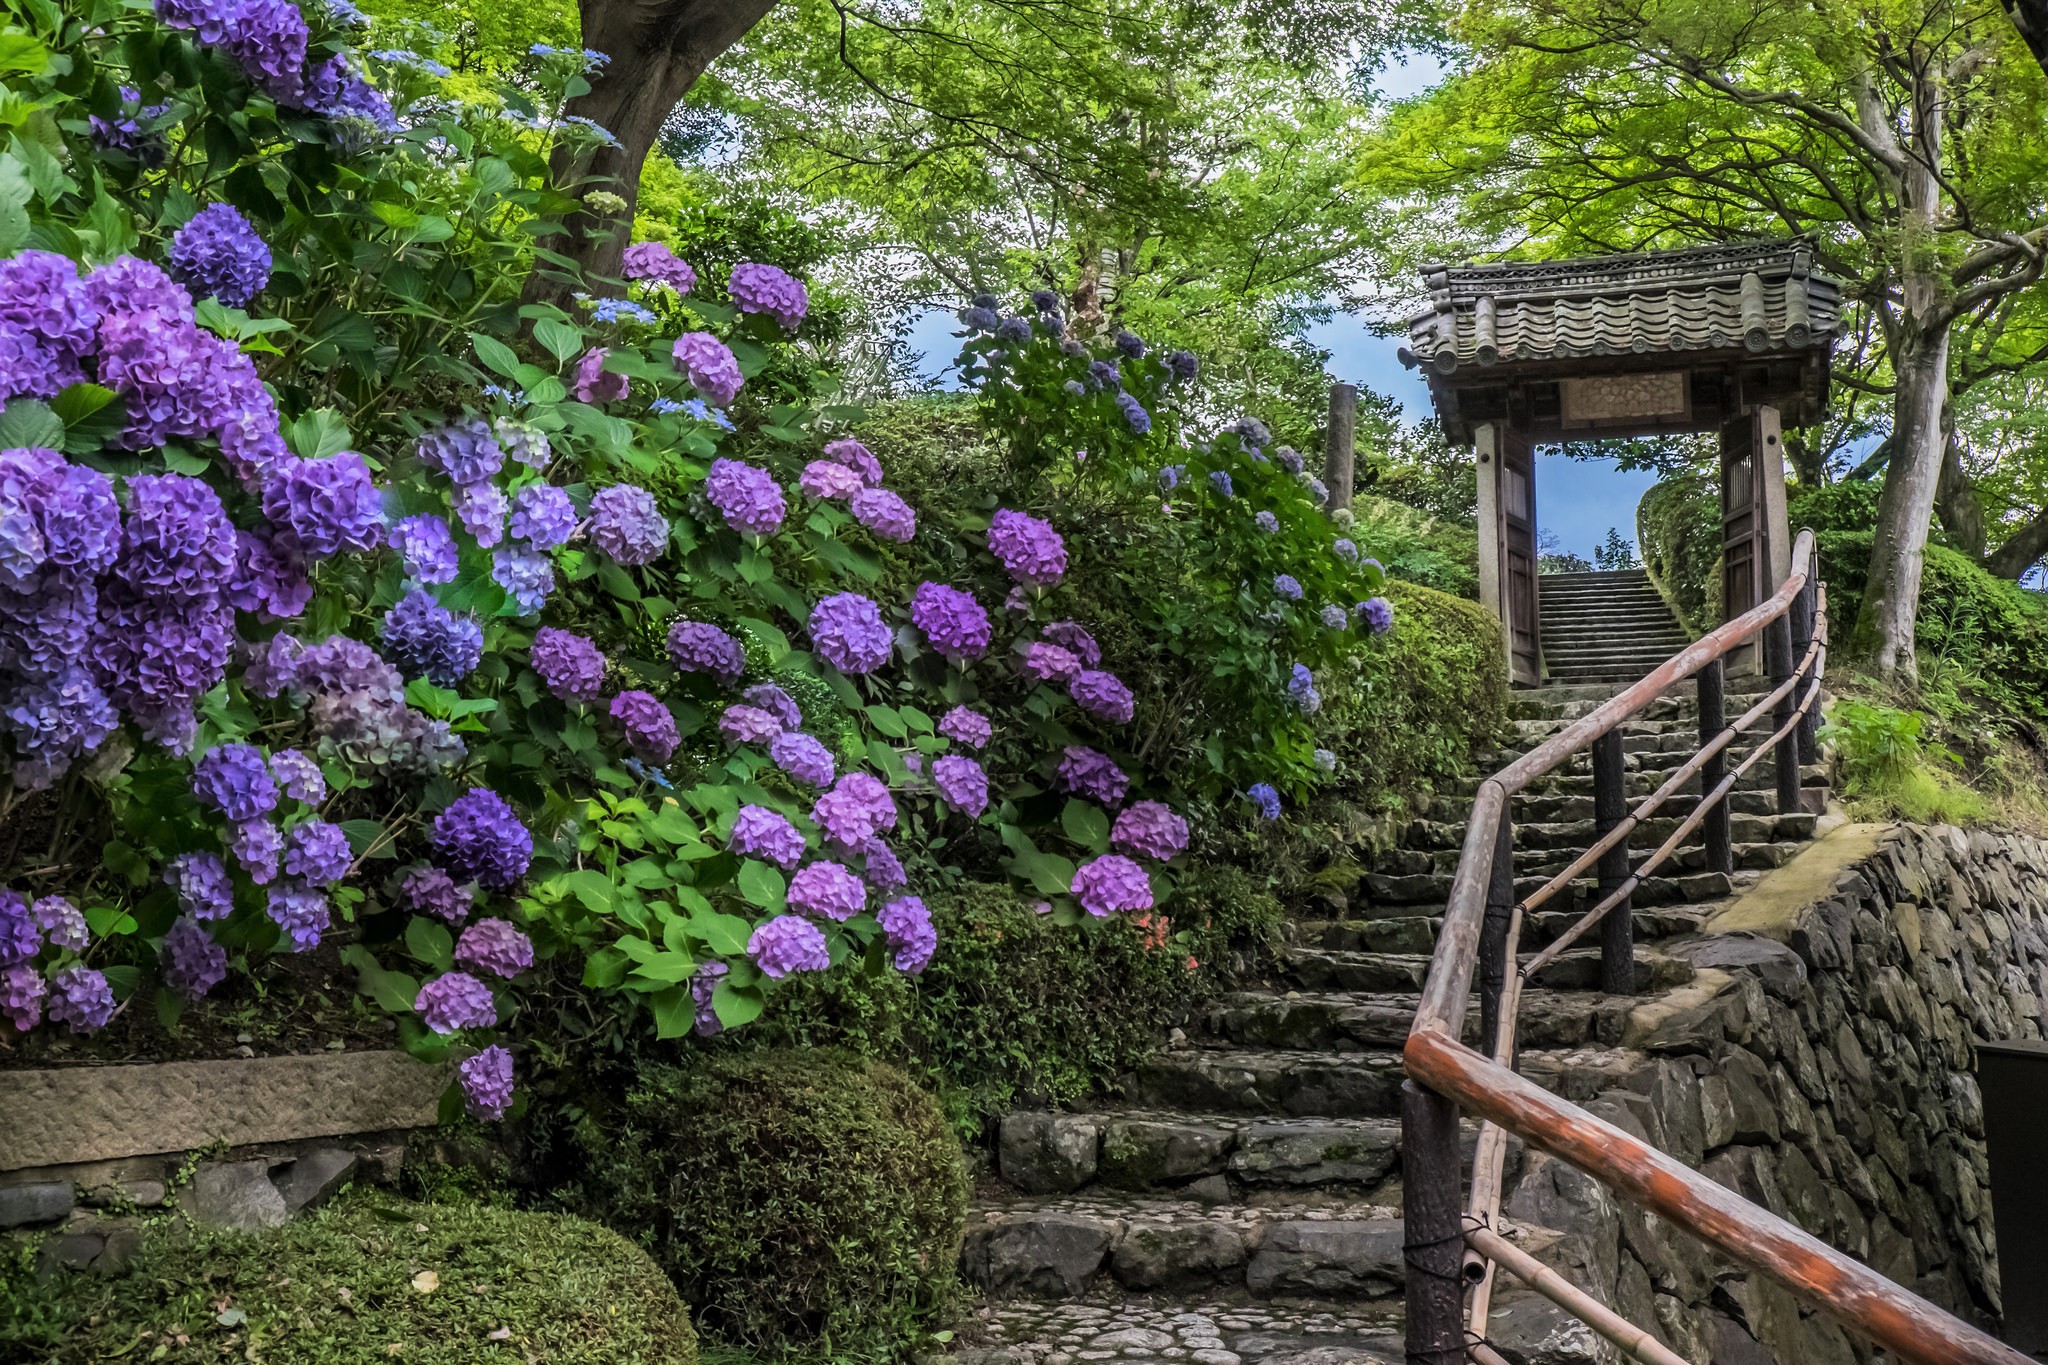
point(606, 968)
point(363, 836)
point(123, 978)
point(22, 53)
point(725, 935)
point(1048, 873)
point(737, 1005)
point(675, 1012)
point(170, 1008)
point(885, 719)
point(594, 889)
point(109, 921)
point(563, 341)
point(495, 354)
point(762, 885)
point(667, 966)
point(26, 422)
point(1086, 825)
point(318, 434)
point(395, 991)
point(430, 942)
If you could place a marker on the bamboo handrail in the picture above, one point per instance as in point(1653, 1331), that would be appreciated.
point(1896, 1319)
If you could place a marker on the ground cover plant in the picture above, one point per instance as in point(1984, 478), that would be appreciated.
point(357, 604)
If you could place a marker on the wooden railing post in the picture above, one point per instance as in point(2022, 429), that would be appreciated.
point(1433, 1235)
point(1610, 807)
point(1778, 664)
point(1339, 445)
point(1714, 827)
point(1493, 935)
point(1803, 618)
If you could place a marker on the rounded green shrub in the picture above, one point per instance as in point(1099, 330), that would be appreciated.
point(369, 1278)
point(800, 1199)
point(1678, 526)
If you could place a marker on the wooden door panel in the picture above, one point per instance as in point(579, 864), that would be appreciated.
point(1745, 553)
point(1520, 588)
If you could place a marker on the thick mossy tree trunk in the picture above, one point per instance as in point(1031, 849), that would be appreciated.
point(2030, 17)
point(1884, 630)
point(658, 49)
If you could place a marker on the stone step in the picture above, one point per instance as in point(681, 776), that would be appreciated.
point(1113, 1327)
point(1642, 780)
point(1435, 888)
point(1690, 856)
point(1564, 703)
point(1299, 1084)
point(1334, 970)
point(1417, 934)
point(1557, 808)
point(1579, 834)
point(1053, 1248)
point(1600, 637)
point(1353, 1022)
point(1212, 1156)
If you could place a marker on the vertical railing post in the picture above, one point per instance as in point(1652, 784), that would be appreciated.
point(1803, 616)
point(1610, 806)
point(1778, 666)
point(1340, 445)
point(1433, 1237)
point(1493, 932)
point(1715, 827)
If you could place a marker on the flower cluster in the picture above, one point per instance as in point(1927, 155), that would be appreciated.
point(749, 498)
point(957, 625)
point(1027, 548)
point(654, 263)
point(771, 291)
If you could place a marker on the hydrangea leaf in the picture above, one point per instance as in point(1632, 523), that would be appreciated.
point(885, 719)
point(737, 1005)
point(563, 341)
point(675, 1012)
point(430, 942)
point(605, 968)
point(723, 934)
point(664, 968)
point(761, 884)
point(25, 422)
point(1086, 825)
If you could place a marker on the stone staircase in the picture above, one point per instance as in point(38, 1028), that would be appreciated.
point(1604, 627)
point(1239, 1202)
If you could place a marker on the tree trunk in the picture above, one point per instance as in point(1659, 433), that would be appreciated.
point(1962, 514)
point(2030, 17)
point(2021, 551)
point(1891, 602)
point(658, 48)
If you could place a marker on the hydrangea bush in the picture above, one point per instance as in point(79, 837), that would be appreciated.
point(353, 603)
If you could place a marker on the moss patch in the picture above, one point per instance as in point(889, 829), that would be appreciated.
point(349, 1284)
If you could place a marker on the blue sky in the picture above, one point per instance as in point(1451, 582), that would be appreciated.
point(1577, 500)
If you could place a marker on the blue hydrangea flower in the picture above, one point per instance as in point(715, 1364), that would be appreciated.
point(1346, 550)
point(1301, 690)
point(1288, 586)
point(1266, 799)
point(218, 254)
point(1220, 480)
point(1170, 477)
point(527, 576)
point(1135, 416)
point(1336, 618)
point(1267, 522)
point(423, 639)
point(622, 310)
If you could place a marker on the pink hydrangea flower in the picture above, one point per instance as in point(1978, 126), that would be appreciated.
point(829, 890)
point(857, 808)
point(758, 832)
point(769, 290)
point(1047, 663)
point(884, 513)
point(1091, 773)
point(1076, 641)
point(828, 481)
point(709, 364)
point(656, 264)
point(856, 457)
point(496, 947)
point(1110, 884)
point(963, 783)
point(743, 724)
point(1151, 829)
point(593, 384)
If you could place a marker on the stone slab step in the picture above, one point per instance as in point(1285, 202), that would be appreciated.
point(1416, 934)
point(1690, 857)
point(1181, 1329)
point(1571, 807)
point(1052, 1152)
point(1435, 835)
point(1300, 1084)
point(1063, 1247)
point(1351, 1022)
point(1329, 970)
point(1434, 888)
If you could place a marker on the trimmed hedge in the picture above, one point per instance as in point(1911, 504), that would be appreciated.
point(338, 1287)
point(799, 1198)
point(1678, 532)
point(1417, 547)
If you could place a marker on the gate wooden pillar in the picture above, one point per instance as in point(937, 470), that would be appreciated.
point(1756, 540)
point(1508, 584)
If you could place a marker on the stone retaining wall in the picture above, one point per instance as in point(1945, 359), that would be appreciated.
point(1821, 1064)
point(88, 1153)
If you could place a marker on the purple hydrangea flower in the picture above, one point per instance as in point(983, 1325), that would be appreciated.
point(828, 481)
point(1267, 522)
point(60, 524)
point(979, 318)
point(593, 383)
point(776, 702)
point(481, 508)
point(1170, 477)
point(427, 890)
point(752, 502)
point(20, 939)
point(298, 776)
point(323, 507)
point(952, 620)
point(1151, 829)
point(1287, 586)
point(234, 780)
point(42, 298)
point(1103, 696)
point(302, 912)
point(568, 664)
point(1301, 690)
point(963, 783)
point(1091, 773)
point(423, 639)
point(1376, 614)
point(316, 852)
point(1046, 662)
point(758, 832)
point(695, 647)
point(218, 253)
point(650, 726)
point(191, 962)
point(1265, 798)
point(704, 994)
point(828, 890)
point(427, 546)
point(709, 365)
point(857, 808)
point(527, 576)
point(656, 264)
point(523, 441)
point(456, 1000)
point(881, 869)
point(486, 1080)
point(494, 946)
point(1335, 617)
point(21, 996)
point(884, 513)
point(626, 524)
point(963, 726)
point(257, 846)
point(1135, 416)
point(467, 452)
point(765, 289)
point(1130, 344)
point(1028, 548)
point(1104, 374)
point(856, 457)
point(478, 838)
point(1076, 641)
point(789, 943)
point(1110, 884)
point(54, 722)
point(1318, 491)
point(202, 885)
point(61, 923)
point(1325, 760)
point(1346, 550)
point(543, 516)
point(80, 999)
point(270, 579)
point(155, 657)
point(177, 543)
point(1290, 459)
point(803, 758)
point(907, 926)
point(1219, 479)
point(743, 724)
point(848, 632)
